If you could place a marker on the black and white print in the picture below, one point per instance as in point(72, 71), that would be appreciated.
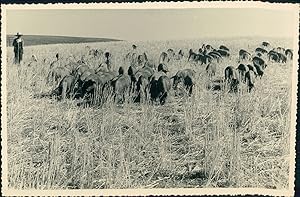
point(150, 97)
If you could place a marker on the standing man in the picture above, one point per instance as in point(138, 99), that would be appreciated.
point(18, 44)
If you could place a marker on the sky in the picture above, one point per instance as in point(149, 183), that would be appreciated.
point(153, 24)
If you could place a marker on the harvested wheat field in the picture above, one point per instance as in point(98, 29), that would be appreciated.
point(208, 139)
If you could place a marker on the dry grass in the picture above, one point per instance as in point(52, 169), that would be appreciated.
point(208, 140)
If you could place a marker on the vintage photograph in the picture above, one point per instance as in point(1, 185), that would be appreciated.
point(158, 98)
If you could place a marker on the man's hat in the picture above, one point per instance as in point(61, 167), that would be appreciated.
point(19, 34)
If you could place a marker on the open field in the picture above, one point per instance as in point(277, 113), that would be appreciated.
point(209, 140)
point(43, 40)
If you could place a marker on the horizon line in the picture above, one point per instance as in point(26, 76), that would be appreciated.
point(132, 40)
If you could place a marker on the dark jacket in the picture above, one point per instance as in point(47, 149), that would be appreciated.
point(18, 44)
